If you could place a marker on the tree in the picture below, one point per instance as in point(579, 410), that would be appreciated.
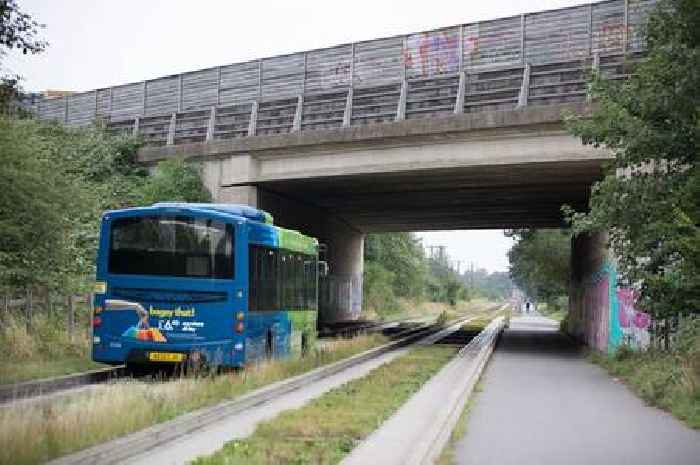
point(649, 200)
point(493, 286)
point(396, 267)
point(176, 181)
point(36, 207)
point(540, 262)
point(378, 289)
point(18, 31)
point(57, 182)
point(402, 255)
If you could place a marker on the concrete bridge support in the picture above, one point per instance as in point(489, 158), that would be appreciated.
point(603, 311)
point(592, 296)
point(340, 293)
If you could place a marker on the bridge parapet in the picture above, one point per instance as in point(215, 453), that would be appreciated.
point(531, 59)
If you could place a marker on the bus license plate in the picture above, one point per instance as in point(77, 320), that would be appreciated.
point(165, 357)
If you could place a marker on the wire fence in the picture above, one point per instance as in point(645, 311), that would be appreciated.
point(26, 304)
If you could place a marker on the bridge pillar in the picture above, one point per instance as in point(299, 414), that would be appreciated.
point(245, 195)
point(592, 294)
point(341, 292)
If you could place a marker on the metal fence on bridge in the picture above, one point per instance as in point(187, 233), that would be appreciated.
point(529, 59)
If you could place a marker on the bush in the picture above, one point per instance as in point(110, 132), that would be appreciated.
point(176, 181)
point(57, 182)
point(378, 292)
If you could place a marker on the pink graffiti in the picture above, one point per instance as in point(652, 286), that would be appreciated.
point(642, 320)
point(627, 312)
point(432, 53)
point(471, 45)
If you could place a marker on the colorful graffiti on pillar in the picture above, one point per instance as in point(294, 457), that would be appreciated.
point(607, 316)
point(633, 324)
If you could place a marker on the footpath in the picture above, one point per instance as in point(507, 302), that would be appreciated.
point(543, 403)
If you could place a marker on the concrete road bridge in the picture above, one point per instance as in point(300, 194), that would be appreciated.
point(455, 128)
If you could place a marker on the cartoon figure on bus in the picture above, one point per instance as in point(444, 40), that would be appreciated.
point(143, 331)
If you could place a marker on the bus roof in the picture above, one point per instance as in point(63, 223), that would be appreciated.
point(265, 231)
point(244, 211)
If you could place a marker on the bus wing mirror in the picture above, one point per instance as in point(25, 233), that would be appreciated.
point(323, 269)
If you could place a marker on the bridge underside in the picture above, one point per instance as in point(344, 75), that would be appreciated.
point(492, 170)
point(477, 197)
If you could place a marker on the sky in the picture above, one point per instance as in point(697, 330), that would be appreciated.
point(99, 43)
point(482, 248)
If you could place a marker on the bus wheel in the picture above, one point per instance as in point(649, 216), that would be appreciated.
point(196, 364)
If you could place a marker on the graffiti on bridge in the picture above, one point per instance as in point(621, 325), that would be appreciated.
point(633, 323)
point(608, 316)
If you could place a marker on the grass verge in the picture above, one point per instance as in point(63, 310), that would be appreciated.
point(43, 348)
point(666, 379)
point(660, 379)
point(424, 309)
point(480, 310)
point(39, 369)
point(37, 432)
point(554, 312)
point(329, 427)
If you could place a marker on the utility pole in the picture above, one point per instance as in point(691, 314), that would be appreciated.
point(471, 276)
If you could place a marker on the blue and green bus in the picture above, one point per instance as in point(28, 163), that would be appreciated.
point(206, 283)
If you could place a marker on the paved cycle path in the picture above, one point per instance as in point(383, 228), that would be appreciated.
point(544, 403)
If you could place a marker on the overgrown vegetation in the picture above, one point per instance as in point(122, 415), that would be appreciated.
point(494, 286)
point(539, 265)
point(649, 201)
point(328, 428)
point(399, 275)
point(37, 432)
point(665, 379)
point(44, 348)
point(57, 183)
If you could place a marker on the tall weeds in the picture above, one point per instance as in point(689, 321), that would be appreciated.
point(666, 379)
point(39, 431)
point(42, 347)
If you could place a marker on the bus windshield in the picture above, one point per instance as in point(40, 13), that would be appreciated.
point(179, 246)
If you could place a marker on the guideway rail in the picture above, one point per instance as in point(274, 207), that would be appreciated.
point(127, 448)
point(420, 429)
point(62, 384)
point(12, 392)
